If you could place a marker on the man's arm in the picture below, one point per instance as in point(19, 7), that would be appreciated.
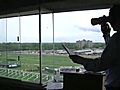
point(99, 64)
point(89, 64)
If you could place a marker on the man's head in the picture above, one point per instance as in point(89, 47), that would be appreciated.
point(114, 15)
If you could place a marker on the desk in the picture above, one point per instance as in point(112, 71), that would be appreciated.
point(83, 81)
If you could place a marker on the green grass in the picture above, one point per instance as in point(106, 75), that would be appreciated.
point(31, 61)
point(57, 61)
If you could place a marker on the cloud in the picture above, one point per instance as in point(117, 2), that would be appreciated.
point(92, 29)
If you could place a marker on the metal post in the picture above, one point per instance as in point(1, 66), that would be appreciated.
point(40, 44)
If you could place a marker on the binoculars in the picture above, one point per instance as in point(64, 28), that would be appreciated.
point(100, 20)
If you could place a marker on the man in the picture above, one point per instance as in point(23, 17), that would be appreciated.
point(110, 58)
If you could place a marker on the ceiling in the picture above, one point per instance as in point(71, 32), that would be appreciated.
point(25, 7)
point(76, 5)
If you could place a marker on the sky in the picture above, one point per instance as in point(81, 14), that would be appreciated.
point(73, 26)
point(68, 27)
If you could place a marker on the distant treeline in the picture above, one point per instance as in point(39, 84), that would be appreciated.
point(18, 46)
point(58, 46)
point(45, 46)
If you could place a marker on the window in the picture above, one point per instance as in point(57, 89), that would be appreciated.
point(19, 48)
point(75, 30)
point(19, 44)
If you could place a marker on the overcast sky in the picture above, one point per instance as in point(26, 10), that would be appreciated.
point(68, 27)
point(73, 26)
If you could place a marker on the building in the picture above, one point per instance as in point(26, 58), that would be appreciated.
point(84, 43)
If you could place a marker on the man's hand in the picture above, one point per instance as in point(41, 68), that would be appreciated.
point(105, 29)
point(106, 32)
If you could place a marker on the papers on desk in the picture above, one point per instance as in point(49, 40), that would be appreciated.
point(54, 85)
point(95, 73)
point(68, 69)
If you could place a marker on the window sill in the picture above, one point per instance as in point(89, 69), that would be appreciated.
point(11, 84)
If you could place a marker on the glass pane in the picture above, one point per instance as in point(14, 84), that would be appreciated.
point(30, 48)
point(74, 29)
point(3, 70)
point(13, 48)
point(47, 48)
point(19, 48)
